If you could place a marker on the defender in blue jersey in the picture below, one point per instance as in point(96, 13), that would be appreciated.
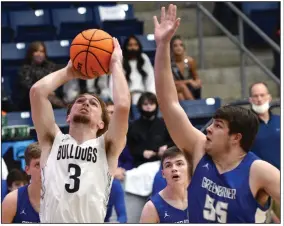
point(170, 204)
point(22, 205)
point(229, 184)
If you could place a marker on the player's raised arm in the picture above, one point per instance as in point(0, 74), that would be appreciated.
point(181, 130)
point(118, 126)
point(42, 112)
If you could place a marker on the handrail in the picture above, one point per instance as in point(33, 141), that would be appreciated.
point(237, 42)
point(254, 27)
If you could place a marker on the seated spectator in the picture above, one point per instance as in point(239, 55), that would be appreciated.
point(15, 179)
point(267, 142)
point(148, 137)
point(187, 82)
point(139, 71)
point(117, 201)
point(35, 67)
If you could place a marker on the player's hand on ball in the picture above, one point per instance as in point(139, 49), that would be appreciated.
point(116, 56)
point(71, 71)
point(165, 30)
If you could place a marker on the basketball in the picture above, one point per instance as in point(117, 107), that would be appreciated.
point(91, 52)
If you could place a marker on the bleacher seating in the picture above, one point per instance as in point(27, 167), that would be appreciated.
point(58, 51)
point(70, 22)
point(263, 14)
point(32, 25)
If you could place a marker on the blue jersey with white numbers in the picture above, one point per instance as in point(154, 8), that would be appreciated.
point(25, 212)
point(168, 213)
point(223, 198)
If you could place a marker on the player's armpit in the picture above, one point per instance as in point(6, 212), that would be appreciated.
point(149, 214)
point(9, 207)
point(183, 133)
point(266, 177)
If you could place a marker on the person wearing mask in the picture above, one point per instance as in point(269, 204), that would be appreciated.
point(138, 69)
point(267, 142)
point(148, 137)
point(187, 82)
point(35, 67)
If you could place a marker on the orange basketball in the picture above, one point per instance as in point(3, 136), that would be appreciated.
point(91, 51)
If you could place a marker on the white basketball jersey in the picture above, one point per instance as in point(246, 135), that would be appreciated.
point(75, 182)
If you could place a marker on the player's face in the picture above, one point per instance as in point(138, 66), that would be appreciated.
point(132, 45)
point(217, 137)
point(39, 55)
point(175, 170)
point(178, 47)
point(148, 106)
point(86, 110)
point(110, 110)
point(259, 94)
point(34, 170)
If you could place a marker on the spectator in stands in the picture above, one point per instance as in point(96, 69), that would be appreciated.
point(99, 86)
point(35, 67)
point(184, 71)
point(139, 71)
point(148, 137)
point(267, 142)
point(15, 179)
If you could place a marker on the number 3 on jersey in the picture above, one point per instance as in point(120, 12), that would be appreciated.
point(209, 212)
point(75, 177)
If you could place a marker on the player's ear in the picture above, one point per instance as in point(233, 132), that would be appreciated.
point(27, 169)
point(236, 138)
point(101, 125)
point(163, 174)
point(68, 119)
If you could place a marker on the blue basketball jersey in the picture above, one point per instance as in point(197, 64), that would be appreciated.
point(168, 213)
point(223, 198)
point(25, 212)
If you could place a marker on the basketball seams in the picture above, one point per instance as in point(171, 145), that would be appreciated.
point(101, 66)
point(86, 60)
point(85, 37)
point(79, 54)
point(98, 61)
point(92, 47)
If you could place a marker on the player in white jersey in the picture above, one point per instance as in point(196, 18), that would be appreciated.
point(77, 168)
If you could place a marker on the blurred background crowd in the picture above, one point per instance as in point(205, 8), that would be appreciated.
point(208, 68)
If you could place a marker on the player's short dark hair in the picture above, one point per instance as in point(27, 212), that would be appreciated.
point(33, 151)
point(256, 83)
point(105, 116)
point(109, 102)
point(147, 96)
point(173, 152)
point(16, 175)
point(240, 120)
